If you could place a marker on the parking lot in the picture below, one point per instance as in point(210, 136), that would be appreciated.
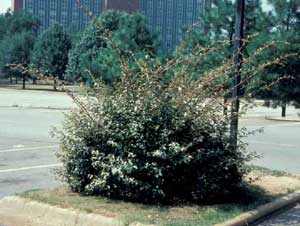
point(278, 144)
point(27, 151)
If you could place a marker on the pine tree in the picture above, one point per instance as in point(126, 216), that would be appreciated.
point(50, 54)
point(95, 57)
point(284, 24)
point(16, 42)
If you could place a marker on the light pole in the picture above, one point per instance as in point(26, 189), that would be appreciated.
point(105, 7)
point(236, 76)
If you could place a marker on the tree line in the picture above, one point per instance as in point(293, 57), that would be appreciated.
point(56, 53)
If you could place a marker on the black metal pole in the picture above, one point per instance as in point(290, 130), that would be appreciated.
point(237, 60)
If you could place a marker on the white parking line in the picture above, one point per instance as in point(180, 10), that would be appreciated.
point(271, 143)
point(27, 149)
point(30, 168)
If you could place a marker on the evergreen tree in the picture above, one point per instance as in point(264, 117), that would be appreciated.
point(95, 56)
point(285, 76)
point(3, 22)
point(15, 54)
point(216, 32)
point(217, 24)
point(21, 21)
point(50, 54)
point(16, 42)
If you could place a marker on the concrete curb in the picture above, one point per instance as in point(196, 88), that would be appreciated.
point(282, 119)
point(43, 214)
point(263, 211)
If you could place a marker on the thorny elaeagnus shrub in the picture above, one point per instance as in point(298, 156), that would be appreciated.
point(150, 140)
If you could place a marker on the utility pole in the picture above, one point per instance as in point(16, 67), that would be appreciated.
point(288, 21)
point(105, 5)
point(236, 79)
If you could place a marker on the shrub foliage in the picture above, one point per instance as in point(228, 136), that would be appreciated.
point(150, 140)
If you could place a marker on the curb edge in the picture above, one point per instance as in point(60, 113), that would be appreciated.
point(263, 211)
point(281, 120)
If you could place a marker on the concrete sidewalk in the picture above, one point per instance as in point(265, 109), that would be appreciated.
point(262, 111)
point(35, 99)
point(15, 211)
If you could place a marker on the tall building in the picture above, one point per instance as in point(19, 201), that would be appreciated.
point(72, 14)
point(16, 5)
point(169, 17)
point(126, 5)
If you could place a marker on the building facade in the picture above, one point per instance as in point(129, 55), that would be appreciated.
point(71, 14)
point(16, 5)
point(168, 18)
point(126, 5)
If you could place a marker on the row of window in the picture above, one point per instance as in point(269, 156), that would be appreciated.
point(65, 12)
point(169, 17)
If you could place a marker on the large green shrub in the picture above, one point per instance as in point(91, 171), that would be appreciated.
point(151, 141)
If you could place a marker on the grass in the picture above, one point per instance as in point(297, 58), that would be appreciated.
point(185, 215)
point(190, 215)
point(266, 171)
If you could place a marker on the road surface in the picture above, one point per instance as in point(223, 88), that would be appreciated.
point(288, 218)
point(27, 152)
point(278, 144)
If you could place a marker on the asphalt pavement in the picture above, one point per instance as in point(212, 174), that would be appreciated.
point(278, 145)
point(288, 218)
point(34, 99)
point(27, 152)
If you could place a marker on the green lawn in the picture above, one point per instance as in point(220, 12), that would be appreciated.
point(191, 215)
point(184, 215)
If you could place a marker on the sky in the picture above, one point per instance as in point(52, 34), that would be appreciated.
point(5, 4)
point(265, 5)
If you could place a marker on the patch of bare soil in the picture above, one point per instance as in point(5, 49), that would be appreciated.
point(275, 185)
point(14, 221)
